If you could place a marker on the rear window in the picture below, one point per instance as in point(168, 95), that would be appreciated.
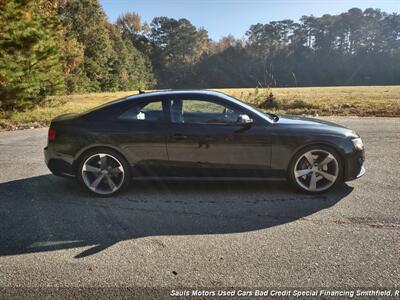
point(144, 111)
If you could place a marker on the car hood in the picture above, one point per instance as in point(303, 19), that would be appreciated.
point(303, 123)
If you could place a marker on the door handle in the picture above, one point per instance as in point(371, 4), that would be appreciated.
point(179, 136)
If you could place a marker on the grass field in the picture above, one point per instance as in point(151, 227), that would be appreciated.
point(381, 101)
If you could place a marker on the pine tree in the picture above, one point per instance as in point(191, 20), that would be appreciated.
point(87, 24)
point(129, 68)
point(30, 64)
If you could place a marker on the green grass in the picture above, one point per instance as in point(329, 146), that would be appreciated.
point(381, 101)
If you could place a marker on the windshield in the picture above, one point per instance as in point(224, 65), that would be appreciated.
point(253, 109)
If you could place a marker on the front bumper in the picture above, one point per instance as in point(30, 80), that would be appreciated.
point(362, 172)
point(354, 167)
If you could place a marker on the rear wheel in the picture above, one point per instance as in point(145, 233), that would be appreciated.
point(315, 169)
point(103, 172)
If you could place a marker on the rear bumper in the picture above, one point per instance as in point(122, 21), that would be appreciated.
point(57, 164)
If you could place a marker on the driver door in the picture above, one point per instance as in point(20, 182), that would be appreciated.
point(204, 139)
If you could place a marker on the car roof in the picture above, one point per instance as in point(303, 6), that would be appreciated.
point(115, 104)
point(119, 103)
point(192, 93)
point(173, 93)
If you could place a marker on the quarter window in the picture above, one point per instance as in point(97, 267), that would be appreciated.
point(144, 111)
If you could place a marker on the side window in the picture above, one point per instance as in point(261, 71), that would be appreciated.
point(202, 112)
point(144, 111)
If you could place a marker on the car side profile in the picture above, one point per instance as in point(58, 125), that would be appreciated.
point(198, 134)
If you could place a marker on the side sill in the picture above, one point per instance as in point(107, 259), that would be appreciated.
point(68, 175)
point(177, 178)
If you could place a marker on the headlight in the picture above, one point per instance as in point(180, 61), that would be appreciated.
point(358, 144)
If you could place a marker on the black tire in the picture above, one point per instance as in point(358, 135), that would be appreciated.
point(301, 186)
point(110, 154)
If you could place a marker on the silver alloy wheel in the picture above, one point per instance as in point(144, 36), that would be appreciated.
point(103, 173)
point(316, 170)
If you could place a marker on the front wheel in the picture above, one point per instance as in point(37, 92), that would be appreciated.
point(315, 169)
point(103, 172)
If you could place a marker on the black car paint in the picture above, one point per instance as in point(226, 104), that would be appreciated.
point(261, 149)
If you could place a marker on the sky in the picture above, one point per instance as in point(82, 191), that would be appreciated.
point(223, 17)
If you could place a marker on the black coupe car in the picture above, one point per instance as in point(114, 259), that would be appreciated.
point(198, 134)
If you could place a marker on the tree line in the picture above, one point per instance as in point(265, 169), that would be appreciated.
point(69, 46)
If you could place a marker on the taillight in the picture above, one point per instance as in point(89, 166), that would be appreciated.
point(51, 136)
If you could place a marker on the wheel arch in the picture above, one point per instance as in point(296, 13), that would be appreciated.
point(332, 146)
point(84, 151)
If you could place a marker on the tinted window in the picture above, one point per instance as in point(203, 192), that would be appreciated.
point(144, 111)
point(202, 112)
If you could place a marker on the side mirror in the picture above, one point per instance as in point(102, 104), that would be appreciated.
point(244, 120)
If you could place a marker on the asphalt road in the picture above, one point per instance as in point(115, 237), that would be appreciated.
point(200, 234)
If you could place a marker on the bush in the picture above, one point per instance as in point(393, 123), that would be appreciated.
point(269, 103)
point(298, 103)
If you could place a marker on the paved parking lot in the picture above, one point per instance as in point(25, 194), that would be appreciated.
point(200, 234)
